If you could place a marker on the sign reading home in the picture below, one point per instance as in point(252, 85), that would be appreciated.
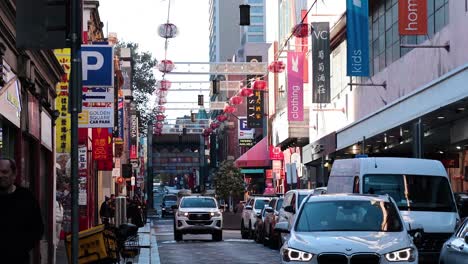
point(412, 17)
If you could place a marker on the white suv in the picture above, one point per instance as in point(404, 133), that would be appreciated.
point(252, 209)
point(198, 215)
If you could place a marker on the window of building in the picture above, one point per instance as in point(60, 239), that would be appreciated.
point(255, 38)
point(256, 19)
point(255, 29)
point(256, 10)
point(384, 39)
point(255, 1)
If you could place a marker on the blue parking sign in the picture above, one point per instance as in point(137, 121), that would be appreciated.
point(97, 65)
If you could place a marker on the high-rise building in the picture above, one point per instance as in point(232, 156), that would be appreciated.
point(256, 31)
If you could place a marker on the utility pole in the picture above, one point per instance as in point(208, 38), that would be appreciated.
point(75, 108)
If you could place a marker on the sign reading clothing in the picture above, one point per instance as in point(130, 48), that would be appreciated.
point(295, 86)
point(321, 63)
point(255, 110)
point(357, 33)
point(98, 65)
point(245, 134)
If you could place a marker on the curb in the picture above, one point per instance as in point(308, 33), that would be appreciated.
point(154, 253)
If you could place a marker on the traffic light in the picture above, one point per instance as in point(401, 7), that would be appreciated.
point(42, 24)
point(200, 99)
point(193, 117)
point(244, 15)
point(215, 86)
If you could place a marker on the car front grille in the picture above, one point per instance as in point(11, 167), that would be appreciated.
point(365, 259)
point(332, 259)
point(432, 242)
point(199, 216)
point(199, 222)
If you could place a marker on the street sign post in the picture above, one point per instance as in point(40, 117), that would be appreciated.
point(98, 65)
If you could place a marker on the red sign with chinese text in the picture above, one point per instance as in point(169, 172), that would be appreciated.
point(102, 147)
point(276, 153)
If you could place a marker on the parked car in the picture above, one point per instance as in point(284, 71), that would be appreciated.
point(271, 238)
point(455, 250)
point(167, 202)
point(259, 233)
point(292, 201)
point(320, 190)
point(252, 208)
point(462, 203)
point(347, 228)
point(420, 188)
point(198, 215)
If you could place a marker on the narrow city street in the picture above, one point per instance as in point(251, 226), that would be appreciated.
point(201, 249)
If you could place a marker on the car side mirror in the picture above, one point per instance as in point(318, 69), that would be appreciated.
point(282, 227)
point(269, 210)
point(289, 209)
point(248, 207)
point(174, 206)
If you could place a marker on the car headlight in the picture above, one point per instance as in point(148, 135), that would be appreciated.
point(290, 254)
point(215, 214)
point(182, 213)
point(406, 254)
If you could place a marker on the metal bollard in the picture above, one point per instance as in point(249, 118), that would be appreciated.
point(120, 210)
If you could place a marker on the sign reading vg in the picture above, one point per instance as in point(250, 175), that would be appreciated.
point(98, 65)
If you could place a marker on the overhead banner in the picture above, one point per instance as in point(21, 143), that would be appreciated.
point(295, 86)
point(412, 17)
point(357, 33)
point(321, 63)
point(102, 144)
point(255, 110)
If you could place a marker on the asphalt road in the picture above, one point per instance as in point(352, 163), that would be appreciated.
point(196, 249)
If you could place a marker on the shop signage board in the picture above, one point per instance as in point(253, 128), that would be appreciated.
point(62, 124)
point(255, 110)
point(97, 117)
point(82, 160)
point(97, 65)
point(10, 103)
point(321, 63)
point(102, 144)
point(46, 130)
point(245, 134)
point(133, 133)
point(412, 17)
point(357, 32)
point(295, 89)
point(276, 153)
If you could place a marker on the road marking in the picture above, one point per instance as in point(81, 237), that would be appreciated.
point(239, 240)
point(164, 234)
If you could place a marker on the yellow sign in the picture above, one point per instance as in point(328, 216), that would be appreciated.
point(62, 139)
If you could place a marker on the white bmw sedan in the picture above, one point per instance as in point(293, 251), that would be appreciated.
point(348, 229)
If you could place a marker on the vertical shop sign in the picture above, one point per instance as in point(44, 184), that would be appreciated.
point(295, 86)
point(62, 139)
point(82, 160)
point(255, 110)
point(101, 144)
point(412, 17)
point(357, 33)
point(321, 63)
point(33, 116)
point(133, 133)
point(245, 134)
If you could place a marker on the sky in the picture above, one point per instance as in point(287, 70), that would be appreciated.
point(138, 21)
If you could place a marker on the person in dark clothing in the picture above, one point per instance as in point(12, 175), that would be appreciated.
point(20, 220)
point(105, 211)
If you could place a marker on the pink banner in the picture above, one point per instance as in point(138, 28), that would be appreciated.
point(295, 86)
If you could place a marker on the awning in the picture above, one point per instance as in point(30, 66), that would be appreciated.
point(255, 157)
point(252, 171)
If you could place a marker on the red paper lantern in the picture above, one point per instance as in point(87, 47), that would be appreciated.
point(259, 85)
point(160, 109)
point(229, 109)
point(208, 130)
point(167, 30)
point(214, 125)
point(162, 101)
point(164, 85)
point(246, 92)
point(221, 118)
point(159, 125)
point(166, 66)
point(160, 117)
point(302, 30)
point(236, 100)
point(157, 131)
point(277, 67)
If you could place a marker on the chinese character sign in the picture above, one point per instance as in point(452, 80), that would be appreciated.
point(63, 140)
point(357, 34)
point(295, 86)
point(255, 110)
point(321, 63)
point(102, 147)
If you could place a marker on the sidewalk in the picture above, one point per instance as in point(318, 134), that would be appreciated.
point(149, 253)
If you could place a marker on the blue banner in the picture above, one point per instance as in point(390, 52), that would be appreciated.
point(357, 32)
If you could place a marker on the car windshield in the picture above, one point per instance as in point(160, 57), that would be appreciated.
point(259, 204)
point(279, 204)
point(412, 192)
point(349, 215)
point(198, 203)
point(301, 198)
point(170, 198)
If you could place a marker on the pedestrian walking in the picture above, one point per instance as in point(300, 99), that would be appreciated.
point(105, 212)
point(21, 221)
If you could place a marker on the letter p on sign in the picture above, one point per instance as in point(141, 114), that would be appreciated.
point(97, 65)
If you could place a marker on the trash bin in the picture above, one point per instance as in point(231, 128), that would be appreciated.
point(96, 244)
point(120, 210)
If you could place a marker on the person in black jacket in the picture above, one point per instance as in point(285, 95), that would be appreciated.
point(105, 211)
point(20, 220)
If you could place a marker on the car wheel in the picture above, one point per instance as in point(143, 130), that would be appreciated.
point(178, 236)
point(244, 234)
point(274, 242)
point(217, 235)
point(266, 241)
point(257, 235)
point(251, 232)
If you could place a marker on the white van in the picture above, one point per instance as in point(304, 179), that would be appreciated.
point(420, 188)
